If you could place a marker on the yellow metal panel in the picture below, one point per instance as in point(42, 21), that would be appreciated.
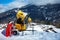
point(20, 26)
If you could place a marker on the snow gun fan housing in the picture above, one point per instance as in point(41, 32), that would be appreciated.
point(20, 23)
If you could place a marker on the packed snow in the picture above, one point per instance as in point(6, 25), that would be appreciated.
point(39, 34)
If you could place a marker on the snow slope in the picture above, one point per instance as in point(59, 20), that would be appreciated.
point(39, 34)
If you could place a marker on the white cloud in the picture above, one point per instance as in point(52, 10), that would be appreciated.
point(14, 4)
point(20, 3)
point(2, 8)
point(43, 2)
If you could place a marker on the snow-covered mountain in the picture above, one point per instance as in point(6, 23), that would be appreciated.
point(49, 12)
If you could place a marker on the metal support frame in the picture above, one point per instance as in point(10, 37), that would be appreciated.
point(29, 30)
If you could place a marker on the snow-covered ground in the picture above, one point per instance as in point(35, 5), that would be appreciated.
point(39, 34)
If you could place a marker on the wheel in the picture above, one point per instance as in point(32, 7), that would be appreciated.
point(15, 32)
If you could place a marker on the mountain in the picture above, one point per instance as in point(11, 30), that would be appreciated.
point(49, 12)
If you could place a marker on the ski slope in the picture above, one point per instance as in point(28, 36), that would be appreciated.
point(39, 34)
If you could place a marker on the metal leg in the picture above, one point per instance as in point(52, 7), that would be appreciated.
point(54, 31)
point(22, 33)
point(32, 30)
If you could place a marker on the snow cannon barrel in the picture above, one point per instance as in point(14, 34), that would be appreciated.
point(20, 15)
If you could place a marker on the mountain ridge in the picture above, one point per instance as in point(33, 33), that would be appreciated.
point(49, 12)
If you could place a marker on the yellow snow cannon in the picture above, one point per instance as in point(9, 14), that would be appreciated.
point(20, 23)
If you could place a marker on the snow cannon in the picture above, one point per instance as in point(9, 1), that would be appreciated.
point(21, 20)
point(13, 27)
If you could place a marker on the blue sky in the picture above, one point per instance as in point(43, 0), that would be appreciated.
point(5, 1)
point(10, 4)
point(29, 1)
